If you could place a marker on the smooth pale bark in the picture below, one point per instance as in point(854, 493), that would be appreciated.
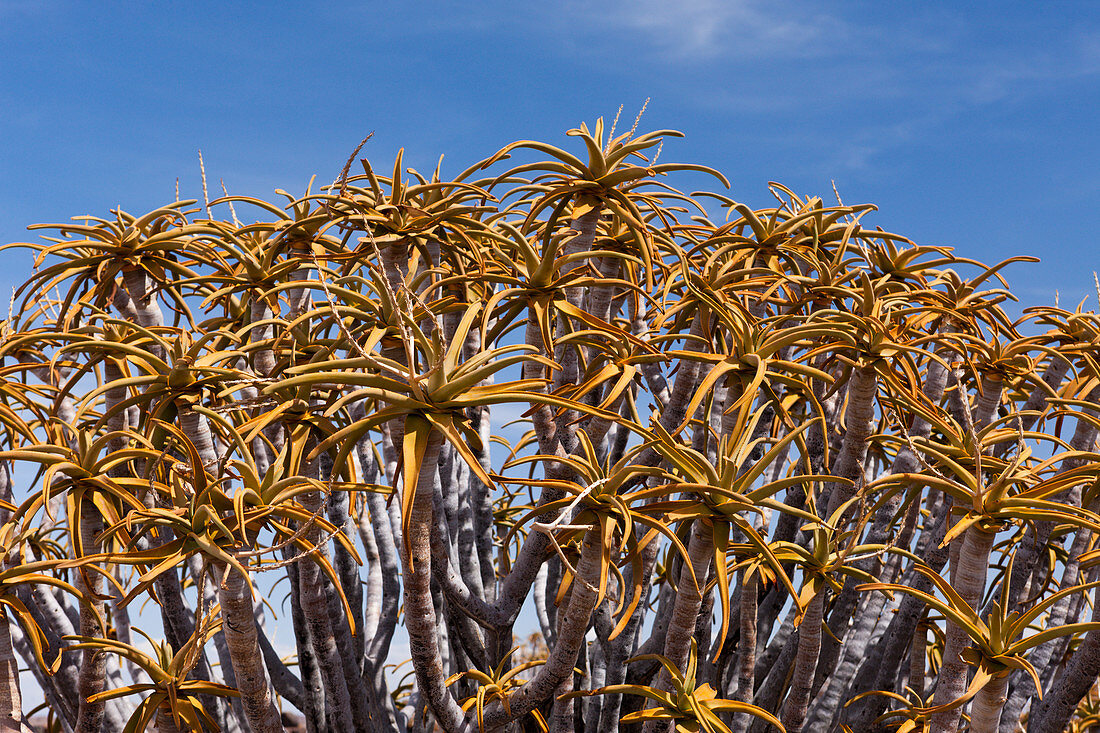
point(918, 650)
point(466, 614)
point(239, 625)
point(482, 501)
point(116, 711)
point(562, 711)
point(685, 612)
point(542, 416)
point(122, 303)
point(569, 356)
point(60, 688)
point(164, 721)
point(775, 672)
point(263, 359)
point(11, 699)
point(372, 591)
point(62, 705)
point(805, 664)
point(420, 616)
point(463, 606)
point(836, 677)
point(519, 578)
point(968, 579)
point(284, 682)
point(539, 592)
point(460, 521)
point(363, 707)
point(351, 648)
point(315, 608)
point(746, 651)
point(93, 663)
point(383, 604)
point(197, 430)
point(589, 706)
point(599, 302)
point(348, 571)
point(988, 400)
point(651, 370)
point(859, 417)
point(395, 264)
point(227, 713)
point(619, 649)
point(599, 298)
point(313, 688)
point(178, 619)
point(1053, 713)
point(1043, 657)
point(985, 712)
point(874, 673)
point(1036, 535)
point(146, 310)
point(585, 228)
point(572, 625)
point(299, 298)
point(383, 600)
point(140, 288)
point(117, 422)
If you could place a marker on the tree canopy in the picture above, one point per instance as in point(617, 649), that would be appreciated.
point(746, 469)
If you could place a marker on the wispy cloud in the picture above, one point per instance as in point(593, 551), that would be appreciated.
point(1009, 74)
point(698, 30)
point(958, 84)
point(864, 83)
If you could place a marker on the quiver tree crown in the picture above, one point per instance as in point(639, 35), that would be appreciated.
point(723, 467)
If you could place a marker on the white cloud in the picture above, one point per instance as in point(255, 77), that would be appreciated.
point(960, 85)
point(704, 29)
point(1010, 75)
point(913, 74)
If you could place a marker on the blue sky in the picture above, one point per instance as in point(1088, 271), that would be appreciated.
point(968, 124)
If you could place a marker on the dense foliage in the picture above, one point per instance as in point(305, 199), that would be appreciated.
point(775, 469)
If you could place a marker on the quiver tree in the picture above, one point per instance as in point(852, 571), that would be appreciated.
point(740, 469)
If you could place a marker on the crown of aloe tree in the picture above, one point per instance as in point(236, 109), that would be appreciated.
point(739, 462)
point(103, 257)
point(171, 699)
